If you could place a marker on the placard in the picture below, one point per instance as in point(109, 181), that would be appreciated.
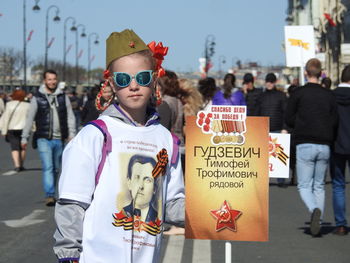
point(299, 45)
point(279, 155)
point(227, 181)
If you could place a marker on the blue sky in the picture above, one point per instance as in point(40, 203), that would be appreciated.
point(249, 30)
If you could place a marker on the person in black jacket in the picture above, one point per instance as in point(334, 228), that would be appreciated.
point(341, 152)
point(89, 111)
point(292, 160)
point(272, 103)
point(251, 94)
point(312, 112)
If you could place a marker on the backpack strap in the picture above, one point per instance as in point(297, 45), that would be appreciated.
point(176, 145)
point(107, 145)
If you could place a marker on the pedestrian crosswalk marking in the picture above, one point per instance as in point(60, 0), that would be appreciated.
point(28, 220)
point(11, 172)
point(201, 250)
point(173, 249)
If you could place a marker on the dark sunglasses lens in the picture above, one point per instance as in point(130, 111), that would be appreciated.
point(122, 79)
point(143, 78)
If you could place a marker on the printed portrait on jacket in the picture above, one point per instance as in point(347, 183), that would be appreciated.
point(139, 203)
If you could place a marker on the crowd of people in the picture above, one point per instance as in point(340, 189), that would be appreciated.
point(317, 117)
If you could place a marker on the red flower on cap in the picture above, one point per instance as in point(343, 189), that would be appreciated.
point(158, 53)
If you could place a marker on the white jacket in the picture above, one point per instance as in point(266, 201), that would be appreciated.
point(2, 106)
point(18, 118)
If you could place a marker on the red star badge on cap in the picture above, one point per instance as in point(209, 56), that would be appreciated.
point(132, 44)
point(226, 217)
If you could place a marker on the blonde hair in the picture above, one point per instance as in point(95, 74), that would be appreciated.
point(147, 54)
point(192, 99)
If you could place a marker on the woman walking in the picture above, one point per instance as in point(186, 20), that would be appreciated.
point(13, 121)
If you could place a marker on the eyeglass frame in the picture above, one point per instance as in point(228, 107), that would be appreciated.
point(151, 72)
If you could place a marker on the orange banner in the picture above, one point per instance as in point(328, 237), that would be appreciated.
point(227, 180)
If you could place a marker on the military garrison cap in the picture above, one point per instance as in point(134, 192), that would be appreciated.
point(124, 43)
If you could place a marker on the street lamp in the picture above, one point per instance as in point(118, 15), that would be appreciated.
point(77, 50)
point(36, 8)
point(222, 60)
point(73, 28)
point(89, 53)
point(208, 51)
point(55, 19)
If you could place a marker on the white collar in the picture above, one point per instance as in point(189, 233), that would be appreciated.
point(344, 85)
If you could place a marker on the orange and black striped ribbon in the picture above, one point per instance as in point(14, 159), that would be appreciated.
point(162, 162)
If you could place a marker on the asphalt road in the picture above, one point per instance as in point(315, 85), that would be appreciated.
point(27, 225)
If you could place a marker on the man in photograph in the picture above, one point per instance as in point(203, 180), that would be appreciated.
point(142, 186)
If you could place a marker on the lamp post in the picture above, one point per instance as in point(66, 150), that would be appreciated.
point(77, 50)
point(89, 52)
point(208, 51)
point(73, 28)
point(56, 19)
point(222, 60)
point(35, 8)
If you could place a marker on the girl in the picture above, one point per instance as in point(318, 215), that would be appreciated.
point(119, 217)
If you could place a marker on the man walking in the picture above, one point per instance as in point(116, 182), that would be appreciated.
point(272, 103)
point(54, 119)
point(341, 153)
point(312, 112)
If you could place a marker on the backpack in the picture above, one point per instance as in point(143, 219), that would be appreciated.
point(107, 146)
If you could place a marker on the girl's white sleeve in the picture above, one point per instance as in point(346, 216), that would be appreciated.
point(80, 161)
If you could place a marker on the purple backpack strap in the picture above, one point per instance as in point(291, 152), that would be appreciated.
point(107, 145)
point(176, 143)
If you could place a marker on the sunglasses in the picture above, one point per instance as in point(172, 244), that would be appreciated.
point(143, 78)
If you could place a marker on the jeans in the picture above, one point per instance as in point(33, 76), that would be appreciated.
point(50, 152)
point(338, 164)
point(311, 164)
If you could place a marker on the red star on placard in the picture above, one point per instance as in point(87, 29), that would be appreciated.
point(226, 217)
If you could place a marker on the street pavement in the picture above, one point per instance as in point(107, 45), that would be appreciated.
point(27, 225)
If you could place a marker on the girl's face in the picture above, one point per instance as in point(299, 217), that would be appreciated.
point(133, 98)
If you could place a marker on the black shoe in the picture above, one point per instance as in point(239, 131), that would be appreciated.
point(340, 231)
point(22, 168)
point(282, 185)
point(315, 226)
point(17, 169)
